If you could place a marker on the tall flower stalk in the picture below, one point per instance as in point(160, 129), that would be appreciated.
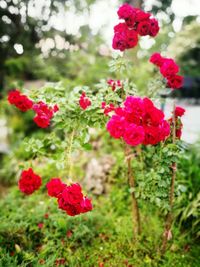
point(169, 219)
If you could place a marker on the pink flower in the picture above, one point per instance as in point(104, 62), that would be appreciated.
point(55, 187)
point(107, 108)
point(133, 135)
point(179, 111)
point(29, 182)
point(84, 101)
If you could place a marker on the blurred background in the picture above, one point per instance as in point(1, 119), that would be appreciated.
point(71, 41)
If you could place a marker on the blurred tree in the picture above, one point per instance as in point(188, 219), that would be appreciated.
point(22, 24)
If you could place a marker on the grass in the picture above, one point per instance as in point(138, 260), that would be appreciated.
point(102, 237)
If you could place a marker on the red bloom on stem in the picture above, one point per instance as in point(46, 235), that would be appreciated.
point(175, 81)
point(124, 38)
point(179, 111)
point(157, 59)
point(22, 102)
point(143, 28)
point(169, 68)
point(84, 101)
point(127, 13)
point(86, 205)
point(153, 27)
point(40, 225)
point(29, 182)
point(44, 114)
point(141, 15)
point(55, 187)
point(116, 126)
point(138, 122)
point(133, 135)
point(72, 201)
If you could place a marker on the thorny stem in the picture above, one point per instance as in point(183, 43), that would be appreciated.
point(169, 218)
point(135, 208)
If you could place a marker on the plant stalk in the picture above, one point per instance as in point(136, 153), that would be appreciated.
point(135, 208)
point(169, 218)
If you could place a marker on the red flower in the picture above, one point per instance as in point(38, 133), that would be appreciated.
point(138, 122)
point(72, 194)
point(116, 126)
point(156, 59)
point(42, 121)
point(133, 135)
point(29, 182)
point(143, 28)
point(55, 187)
point(69, 233)
point(84, 101)
point(86, 205)
point(40, 225)
point(22, 102)
point(124, 38)
point(127, 13)
point(44, 114)
point(141, 15)
point(169, 68)
point(179, 111)
point(114, 84)
point(175, 81)
point(153, 27)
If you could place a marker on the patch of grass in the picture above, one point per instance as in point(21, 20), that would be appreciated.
point(102, 237)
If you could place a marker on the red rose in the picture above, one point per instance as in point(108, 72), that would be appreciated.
point(156, 59)
point(55, 187)
point(141, 15)
point(134, 109)
point(153, 27)
point(22, 102)
point(86, 205)
point(175, 81)
point(13, 96)
point(133, 135)
point(179, 111)
point(84, 101)
point(143, 28)
point(116, 126)
point(29, 182)
point(42, 121)
point(127, 13)
point(169, 68)
point(132, 39)
point(72, 194)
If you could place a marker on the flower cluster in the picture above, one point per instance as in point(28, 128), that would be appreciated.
point(114, 84)
point(169, 69)
point(138, 122)
point(43, 112)
point(84, 101)
point(137, 22)
point(70, 198)
point(22, 102)
point(29, 182)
